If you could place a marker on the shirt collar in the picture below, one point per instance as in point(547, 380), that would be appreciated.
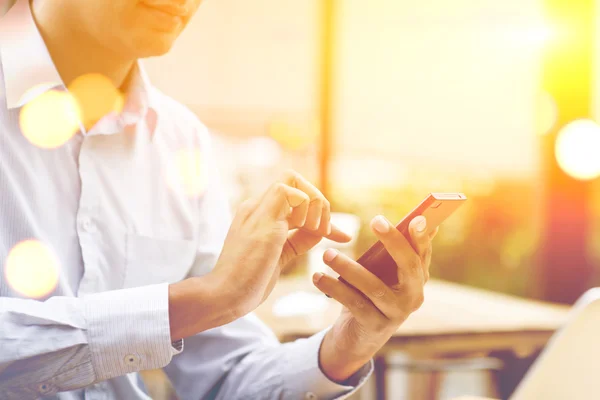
point(29, 71)
point(138, 99)
point(27, 65)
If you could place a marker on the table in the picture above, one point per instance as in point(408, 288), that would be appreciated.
point(454, 320)
point(472, 398)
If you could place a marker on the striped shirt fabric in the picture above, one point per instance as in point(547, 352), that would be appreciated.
point(103, 212)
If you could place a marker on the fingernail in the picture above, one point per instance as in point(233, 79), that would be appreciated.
point(317, 277)
point(329, 255)
point(380, 224)
point(421, 223)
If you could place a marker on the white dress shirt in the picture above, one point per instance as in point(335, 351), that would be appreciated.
point(120, 234)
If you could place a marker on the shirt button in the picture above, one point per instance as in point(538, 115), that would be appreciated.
point(311, 396)
point(87, 224)
point(132, 360)
point(44, 388)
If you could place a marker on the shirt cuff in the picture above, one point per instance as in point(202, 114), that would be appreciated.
point(303, 378)
point(128, 330)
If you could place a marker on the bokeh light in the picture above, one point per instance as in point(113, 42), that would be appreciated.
point(50, 119)
point(537, 35)
point(546, 114)
point(294, 135)
point(97, 97)
point(530, 34)
point(31, 269)
point(480, 183)
point(577, 149)
point(261, 152)
point(188, 174)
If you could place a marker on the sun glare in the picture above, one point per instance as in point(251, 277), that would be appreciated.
point(31, 269)
point(50, 119)
point(546, 115)
point(97, 97)
point(532, 34)
point(187, 174)
point(538, 34)
point(295, 135)
point(577, 149)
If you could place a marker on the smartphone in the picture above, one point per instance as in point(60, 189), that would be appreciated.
point(436, 207)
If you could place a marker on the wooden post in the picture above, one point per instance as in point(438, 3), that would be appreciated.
point(326, 87)
point(565, 270)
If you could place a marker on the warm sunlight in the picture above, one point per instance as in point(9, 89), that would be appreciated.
point(50, 119)
point(31, 269)
point(577, 149)
point(97, 97)
point(187, 173)
point(547, 114)
point(535, 35)
point(294, 135)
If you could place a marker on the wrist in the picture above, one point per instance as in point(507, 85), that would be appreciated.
point(338, 364)
point(198, 304)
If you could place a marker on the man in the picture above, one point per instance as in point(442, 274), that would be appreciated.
point(152, 276)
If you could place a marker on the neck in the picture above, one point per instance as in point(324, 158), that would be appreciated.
point(74, 52)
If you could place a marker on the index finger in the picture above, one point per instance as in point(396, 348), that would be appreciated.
point(337, 235)
point(318, 218)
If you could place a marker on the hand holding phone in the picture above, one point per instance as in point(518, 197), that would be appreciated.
point(436, 207)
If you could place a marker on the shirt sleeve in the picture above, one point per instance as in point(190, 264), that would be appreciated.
point(303, 378)
point(245, 360)
point(68, 343)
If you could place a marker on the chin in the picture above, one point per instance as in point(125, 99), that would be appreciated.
point(155, 51)
point(154, 46)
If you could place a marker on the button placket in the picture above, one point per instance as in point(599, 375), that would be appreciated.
point(87, 224)
point(86, 227)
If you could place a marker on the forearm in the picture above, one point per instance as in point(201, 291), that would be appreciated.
point(196, 305)
point(339, 364)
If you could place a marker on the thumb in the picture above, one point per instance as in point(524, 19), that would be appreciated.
point(419, 236)
point(299, 242)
